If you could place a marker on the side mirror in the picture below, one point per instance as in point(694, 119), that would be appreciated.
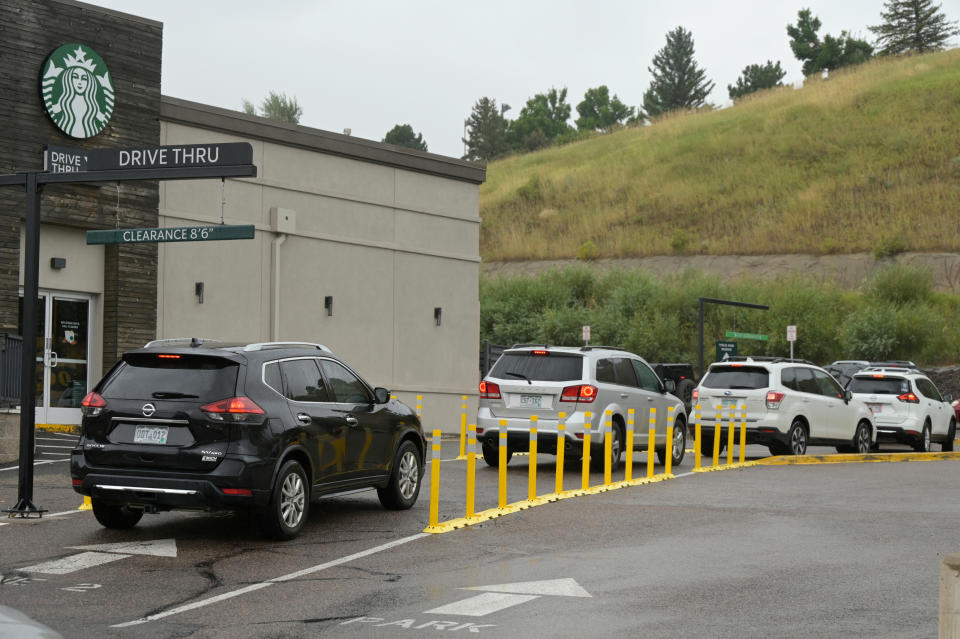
point(948, 398)
point(847, 396)
point(382, 394)
point(670, 386)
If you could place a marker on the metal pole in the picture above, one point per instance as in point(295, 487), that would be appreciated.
point(700, 337)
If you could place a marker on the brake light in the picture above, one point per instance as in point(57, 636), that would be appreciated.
point(489, 390)
point(583, 393)
point(877, 376)
point(540, 353)
point(773, 399)
point(910, 398)
point(165, 356)
point(233, 409)
point(93, 404)
point(77, 482)
point(736, 365)
point(242, 492)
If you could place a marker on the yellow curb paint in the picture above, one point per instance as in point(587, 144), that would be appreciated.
point(803, 460)
point(72, 429)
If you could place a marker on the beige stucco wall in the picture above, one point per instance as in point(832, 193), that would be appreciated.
point(388, 244)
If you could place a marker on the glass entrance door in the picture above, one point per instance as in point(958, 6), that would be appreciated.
point(63, 338)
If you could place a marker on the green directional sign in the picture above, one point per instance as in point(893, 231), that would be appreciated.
point(736, 335)
point(728, 349)
point(173, 234)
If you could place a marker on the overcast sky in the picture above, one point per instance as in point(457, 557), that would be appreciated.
point(368, 65)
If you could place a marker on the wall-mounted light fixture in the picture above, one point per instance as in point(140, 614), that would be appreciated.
point(328, 304)
point(198, 291)
point(58, 263)
point(437, 313)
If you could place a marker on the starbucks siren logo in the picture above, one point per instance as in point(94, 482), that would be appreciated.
point(77, 91)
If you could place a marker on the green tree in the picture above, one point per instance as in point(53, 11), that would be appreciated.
point(403, 135)
point(487, 130)
point(913, 26)
point(599, 112)
point(542, 121)
point(678, 83)
point(827, 54)
point(756, 77)
point(276, 106)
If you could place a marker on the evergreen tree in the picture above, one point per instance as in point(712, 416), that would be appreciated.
point(487, 131)
point(598, 112)
point(678, 83)
point(403, 135)
point(756, 77)
point(913, 26)
point(827, 54)
point(276, 106)
point(542, 121)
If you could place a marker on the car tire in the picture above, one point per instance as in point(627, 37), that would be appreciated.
point(491, 454)
point(778, 448)
point(679, 447)
point(947, 445)
point(706, 447)
point(285, 515)
point(861, 439)
point(616, 451)
point(797, 438)
point(116, 516)
point(402, 489)
point(685, 392)
point(922, 445)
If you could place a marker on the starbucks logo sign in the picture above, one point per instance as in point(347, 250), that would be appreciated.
point(77, 91)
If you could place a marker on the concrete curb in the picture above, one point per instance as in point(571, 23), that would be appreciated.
point(803, 460)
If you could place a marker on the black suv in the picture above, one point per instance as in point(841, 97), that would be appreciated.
point(196, 424)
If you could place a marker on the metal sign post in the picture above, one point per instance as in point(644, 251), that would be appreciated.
point(710, 300)
point(68, 166)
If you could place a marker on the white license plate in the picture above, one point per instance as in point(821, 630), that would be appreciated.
point(729, 403)
point(150, 435)
point(531, 401)
point(875, 408)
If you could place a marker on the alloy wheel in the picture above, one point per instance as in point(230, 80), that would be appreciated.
point(409, 475)
point(292, 497)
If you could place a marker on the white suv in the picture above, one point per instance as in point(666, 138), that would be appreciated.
point(790, 404)
point(547, 380)
point(907, 406)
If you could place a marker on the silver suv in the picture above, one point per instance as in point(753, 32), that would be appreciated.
point(790, 404)
point(907, 406)
point(544, 381)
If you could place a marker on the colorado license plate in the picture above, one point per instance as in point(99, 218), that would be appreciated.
point(532, 401)
point(875, 408)
point(150, 435)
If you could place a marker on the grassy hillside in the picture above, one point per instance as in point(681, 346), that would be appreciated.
point(867, 160)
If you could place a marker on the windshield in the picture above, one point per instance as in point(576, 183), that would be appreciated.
point(543, 368)
point(736, 377)
point(205, 379)
point(880, 386)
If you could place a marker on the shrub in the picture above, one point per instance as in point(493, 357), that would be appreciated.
point(901, 284)
point(871, 333)
point(888, 247)
point(587, 251)
point(679, 241)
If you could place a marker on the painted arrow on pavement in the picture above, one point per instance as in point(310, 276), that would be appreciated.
point(103, 554)
point(501, 596)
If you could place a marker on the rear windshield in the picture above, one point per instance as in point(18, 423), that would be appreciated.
point(880, 386)
point(205, 379)
point(743, 377)
point(541, 368)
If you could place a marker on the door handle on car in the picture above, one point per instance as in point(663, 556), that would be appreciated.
point(303, 418)
point(351, 420)
point(624, 395)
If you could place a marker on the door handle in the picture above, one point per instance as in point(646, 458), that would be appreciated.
point(624, 395)
point(649, 399)
point(351, 420)
point(303, 418)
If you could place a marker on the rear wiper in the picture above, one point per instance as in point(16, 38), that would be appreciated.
point(521, 376)
point(171, 395)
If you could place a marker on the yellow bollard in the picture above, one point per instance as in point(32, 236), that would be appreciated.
point(607, 448)
point(696, 439)
point(463, 428)
point(471, 468)
point(668, 445)
point(502, 465)
point(730, 427)
point(420, 408)
point(629, 471)
point(651, 441)
point(743, 433)
point(717, 432)
point(87, 503)
point(561, 444)
point(532, 474)
point(587, 423)
point(435, 478)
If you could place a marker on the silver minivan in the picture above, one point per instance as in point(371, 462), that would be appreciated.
point(545, 381)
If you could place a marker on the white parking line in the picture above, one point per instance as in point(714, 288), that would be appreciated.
point(52, 446)
point(270, 582)
point(38, 463)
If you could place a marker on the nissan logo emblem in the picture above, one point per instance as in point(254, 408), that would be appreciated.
point(148, 410)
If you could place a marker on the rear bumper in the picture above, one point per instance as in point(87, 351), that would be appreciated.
point(756, 432)
point(897, 434)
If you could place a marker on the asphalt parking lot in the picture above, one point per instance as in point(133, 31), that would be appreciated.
point(830, 550)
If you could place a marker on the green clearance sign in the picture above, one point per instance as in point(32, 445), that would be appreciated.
point(757, 336)
point(173, 234)
point(77, 91)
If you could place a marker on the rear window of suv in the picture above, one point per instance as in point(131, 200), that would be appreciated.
point(552, 367)
point(205, 379)
point(879, 386)
point(742, 377)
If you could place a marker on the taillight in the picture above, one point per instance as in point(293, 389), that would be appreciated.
point(583, 393)
point(241, 492)
point(695, 395)
point(910, 398)
point(233, 409)
point(489, 390)
point(166, 356)
point(773, 399)
point(542, 353)
point(93, 404)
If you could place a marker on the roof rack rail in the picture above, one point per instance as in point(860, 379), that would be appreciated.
point(260, 346)
point(530, 346)
point(763, 358)
point(600, 347)
point(194, 341)
point(897, 369)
